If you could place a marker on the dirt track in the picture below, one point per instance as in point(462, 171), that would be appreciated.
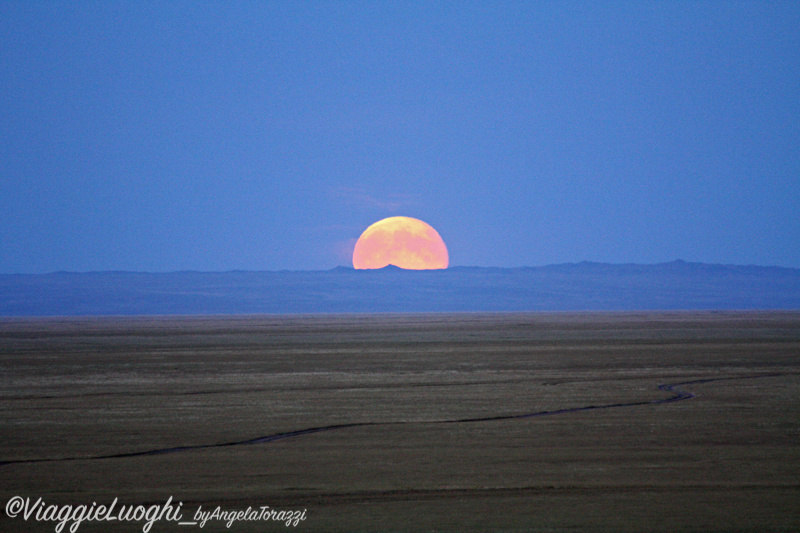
point(678, 394)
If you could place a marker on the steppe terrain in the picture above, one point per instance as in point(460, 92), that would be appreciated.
point(680, 421)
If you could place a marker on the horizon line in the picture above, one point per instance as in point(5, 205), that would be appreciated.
point(396, 268)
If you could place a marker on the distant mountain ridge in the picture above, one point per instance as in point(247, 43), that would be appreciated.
point(584, 286)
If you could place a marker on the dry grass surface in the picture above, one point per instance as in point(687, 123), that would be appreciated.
point(76, 392)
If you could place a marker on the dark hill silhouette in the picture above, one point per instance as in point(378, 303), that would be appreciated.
point(564, 287)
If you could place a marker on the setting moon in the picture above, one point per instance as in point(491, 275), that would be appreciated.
point(404, 242)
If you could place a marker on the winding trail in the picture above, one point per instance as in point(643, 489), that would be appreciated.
point(678, 394)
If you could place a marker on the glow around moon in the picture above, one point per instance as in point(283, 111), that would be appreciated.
point(404, 242)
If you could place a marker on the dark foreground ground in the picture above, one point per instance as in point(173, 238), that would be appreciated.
point(414, 417)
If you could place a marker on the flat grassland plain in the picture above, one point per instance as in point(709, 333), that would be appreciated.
point(451, 422)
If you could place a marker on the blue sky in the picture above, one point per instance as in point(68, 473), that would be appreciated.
point(162, 136)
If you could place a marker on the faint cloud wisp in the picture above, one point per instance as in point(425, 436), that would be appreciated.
point(359, 197)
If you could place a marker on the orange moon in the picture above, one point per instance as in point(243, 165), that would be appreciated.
point(404, 242)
